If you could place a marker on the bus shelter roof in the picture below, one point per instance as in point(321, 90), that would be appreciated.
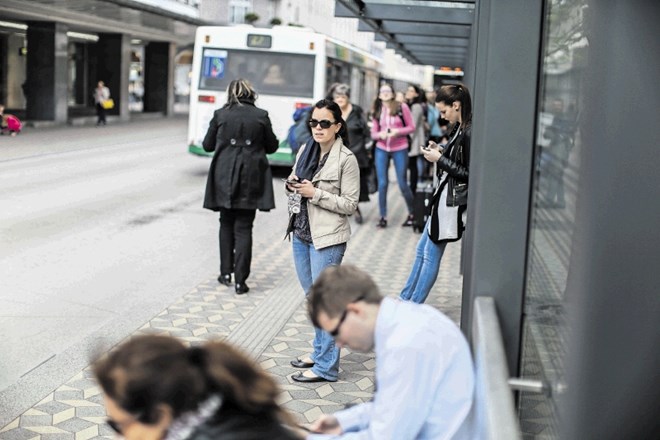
point(428, 32)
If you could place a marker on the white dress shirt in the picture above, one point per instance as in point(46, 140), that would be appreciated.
point(424, 375)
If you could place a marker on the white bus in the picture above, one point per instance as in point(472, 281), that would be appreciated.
point(290, 67)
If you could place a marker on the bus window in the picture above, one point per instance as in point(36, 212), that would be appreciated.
point(271, 73)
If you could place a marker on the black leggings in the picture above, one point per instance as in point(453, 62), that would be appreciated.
point(236, 242)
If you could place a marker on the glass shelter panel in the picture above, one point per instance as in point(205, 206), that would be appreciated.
point(555, 188)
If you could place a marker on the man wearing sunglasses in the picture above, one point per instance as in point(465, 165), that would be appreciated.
point(424, 369)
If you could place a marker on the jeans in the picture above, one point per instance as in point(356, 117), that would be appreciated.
point(425, 269)
point(236, 242)
point(310, 262)
point(382, 162)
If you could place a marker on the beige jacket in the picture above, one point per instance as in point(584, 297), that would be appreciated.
point(336, 197)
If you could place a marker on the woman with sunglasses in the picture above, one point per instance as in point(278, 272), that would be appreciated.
point(392, 123)
point(327, 177)
point(156, 388)
point(448, 216)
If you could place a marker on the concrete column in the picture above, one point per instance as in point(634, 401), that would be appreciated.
point(113, 55)
point(159, 78)
point(47, 60)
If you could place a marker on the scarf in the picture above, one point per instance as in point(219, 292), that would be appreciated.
point(187, 422)
point(308, 161)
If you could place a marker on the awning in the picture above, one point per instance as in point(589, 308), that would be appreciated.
point(435, 33)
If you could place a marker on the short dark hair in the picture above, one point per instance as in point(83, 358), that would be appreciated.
point(337, 287)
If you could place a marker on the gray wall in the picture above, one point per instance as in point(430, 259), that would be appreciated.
point(504, 116)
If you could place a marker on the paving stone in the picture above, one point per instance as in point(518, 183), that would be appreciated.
point(211, 311)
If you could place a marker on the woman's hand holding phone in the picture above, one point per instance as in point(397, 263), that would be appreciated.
point(291, 182)
point(432, 152)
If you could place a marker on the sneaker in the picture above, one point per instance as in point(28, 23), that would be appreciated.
point(409, 221)
point(382, 223)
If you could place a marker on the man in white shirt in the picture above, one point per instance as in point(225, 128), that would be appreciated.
point(424, 368)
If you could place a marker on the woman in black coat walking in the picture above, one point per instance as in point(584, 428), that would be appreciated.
point(240, 180)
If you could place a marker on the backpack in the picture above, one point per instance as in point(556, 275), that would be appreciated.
point(299, 133)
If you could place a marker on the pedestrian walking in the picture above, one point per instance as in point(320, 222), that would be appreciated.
point(324, 188)
point(448, 215)
point(157, 388)
point(391, 124)
point(239, 181)
point(358, 136)
point(101, 97)
point(424, 368)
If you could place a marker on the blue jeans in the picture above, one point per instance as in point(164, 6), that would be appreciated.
point(310, 262)
point(382, 162)
point(425, 269)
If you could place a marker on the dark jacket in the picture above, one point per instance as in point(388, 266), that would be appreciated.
point(242, 426)
point(239, 176)
point(455, 161)
point(358, 135)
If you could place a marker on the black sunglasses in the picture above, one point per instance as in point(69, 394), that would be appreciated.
point(114, 425)
point(323, 123)
point(335, 332)
point(117, 427)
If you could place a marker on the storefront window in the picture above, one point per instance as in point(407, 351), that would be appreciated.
point(556, 183)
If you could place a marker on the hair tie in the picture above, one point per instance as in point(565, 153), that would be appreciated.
point(197, 356)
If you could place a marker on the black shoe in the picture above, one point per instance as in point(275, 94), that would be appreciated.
point(382, 223)
point(225, 279)
point(409, 221)
point(298, 363)
point(299, 377)
point(241, 288)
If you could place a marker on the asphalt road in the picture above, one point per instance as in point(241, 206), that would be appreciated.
point(100, 230)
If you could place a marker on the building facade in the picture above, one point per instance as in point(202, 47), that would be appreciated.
point(52, 55)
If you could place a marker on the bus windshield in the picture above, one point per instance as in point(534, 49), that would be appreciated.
point(271, 73)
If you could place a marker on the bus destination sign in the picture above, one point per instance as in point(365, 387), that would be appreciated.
point(261, 41)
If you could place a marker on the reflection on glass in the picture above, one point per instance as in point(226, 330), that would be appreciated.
point(270, 73)
point(556, 184)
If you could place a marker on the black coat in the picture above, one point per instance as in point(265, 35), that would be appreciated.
point(455, 161)
point(358, 135)
point(239, 176)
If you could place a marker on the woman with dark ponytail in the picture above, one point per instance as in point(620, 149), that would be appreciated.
point(448, 214)
point(158, 389)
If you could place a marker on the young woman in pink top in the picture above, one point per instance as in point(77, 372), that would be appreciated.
point(392, 123)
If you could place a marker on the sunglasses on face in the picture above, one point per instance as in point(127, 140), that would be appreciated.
point(119, 427)
point(335, 332)
point(324, 123)
point(114, 425)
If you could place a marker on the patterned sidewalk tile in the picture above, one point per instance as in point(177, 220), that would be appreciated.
point(75, 410)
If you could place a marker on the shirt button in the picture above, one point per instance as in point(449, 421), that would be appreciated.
point(248, 142)
point(232, 141)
